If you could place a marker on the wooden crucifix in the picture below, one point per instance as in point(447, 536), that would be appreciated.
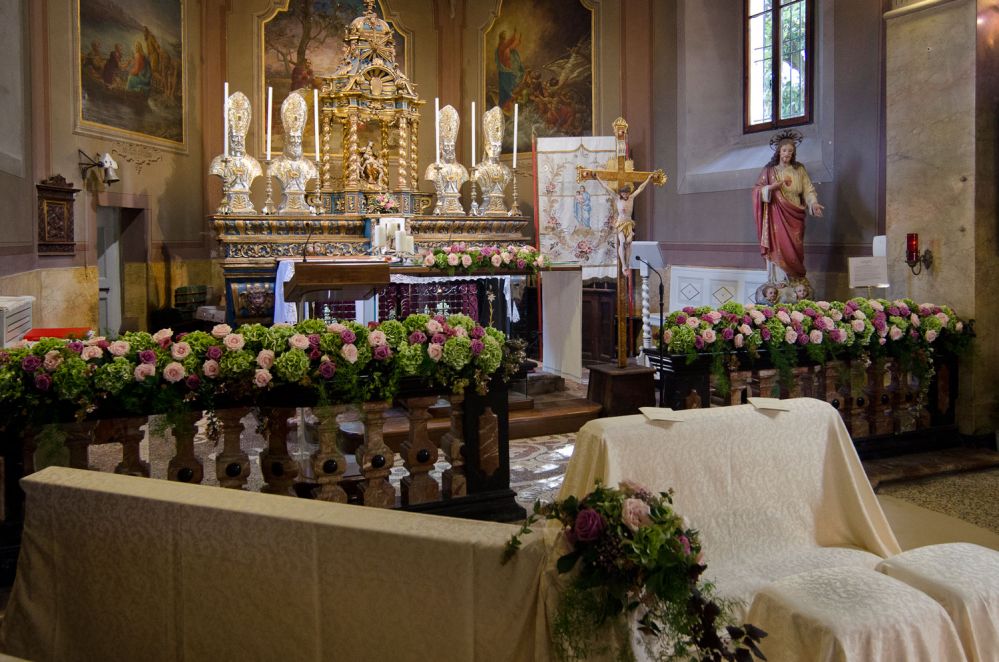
point(619, 177)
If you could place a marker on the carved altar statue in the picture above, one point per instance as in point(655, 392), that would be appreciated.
point(491, 175)
point(373, 170)
point(448, 175)
point(290, 168)
point(239, 169)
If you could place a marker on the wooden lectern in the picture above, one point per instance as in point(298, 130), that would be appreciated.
point(351, 280)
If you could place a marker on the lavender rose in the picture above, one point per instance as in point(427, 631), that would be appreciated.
point(589, 525)
point(477, 346)
point(327, 369)
point(214, 353)
point(348, 336)
point(148, 356)
point(42, 381)
point(417, 338)
point(30, 363)
point(77, 346)
point(382, 352)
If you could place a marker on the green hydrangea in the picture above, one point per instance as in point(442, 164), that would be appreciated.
point(395, 332)
point(463, 321)
point(410, 358)
point(776, 328)
point(330, 343)
point(310, 326)
point(114, 375)
point(457, 352)
point(900, 322)
point(71, 378)
point(292, 366)
point(276, 338)
point(139, 340)
point(201, 341)
point(192, 364)
point(733, 307)
point(682, 340)
point(416, 322)
point(11, 384)
point(237, 364)
point(491, 355)
point(495, 334)
point(931, 323)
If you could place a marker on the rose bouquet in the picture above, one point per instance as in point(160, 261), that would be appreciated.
point(460, 258)
point(383, 203)
point(632, 555)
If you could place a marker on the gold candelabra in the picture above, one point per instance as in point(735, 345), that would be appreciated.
point(268, 207)
point(514, 208)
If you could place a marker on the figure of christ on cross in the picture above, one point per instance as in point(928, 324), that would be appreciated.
point(619, 178)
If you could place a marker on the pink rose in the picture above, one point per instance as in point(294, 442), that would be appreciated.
point(783, 317)
point(453, 259)
point(429, 260)
point(685, 543)
point(824, 305)
point(460, 332)
point(745, 329)
point(221, 330)
point(210, 368)
point(173, 372)
point(466, 260)
point(709, 336)
point(930, 335)
point(943, 318)
point(434, 327)
point(377, 338)
point(815, 337)
point(914, 318)
point(119, 348)
point(758, 317)
point(895, 333)
point(234, 342)
point(262, 378)
point(265, 359)
point(713, 316)
point(180, 350)
point(790, 336)
point(693, 322)
point(299, 341)
point(667, 336)
point(859, 315)
point(91, 352)
point(836, 315)
point(635, 514)
point(162, 336)
point(632, 488)
point(53, 359)
point(349, 352)
point(336, 328)
point(144, 370)
point(507, 256)
point(797, 316)
point(435, 351)
point(738, 341)
point(496, 259)
point(858, 325)
point(959, 327)
point(876, 305)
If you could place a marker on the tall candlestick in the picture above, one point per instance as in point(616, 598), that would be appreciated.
point(437, 130)
point(225, 119)
point(315, 119)
point(270, 118)
point(516, 108)
point(473, 134)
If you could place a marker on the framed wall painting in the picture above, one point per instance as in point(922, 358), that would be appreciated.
point(540, 55)
point(302, 43)
point(130, 72)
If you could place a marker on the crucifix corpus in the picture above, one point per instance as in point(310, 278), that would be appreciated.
point(619, 177)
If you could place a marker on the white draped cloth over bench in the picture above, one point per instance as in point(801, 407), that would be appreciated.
point(773, 493)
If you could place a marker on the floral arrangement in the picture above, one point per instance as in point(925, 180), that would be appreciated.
point(823, 330)
point(632, 555)
point(460, 258)
point(312, 362)
point(383, 203)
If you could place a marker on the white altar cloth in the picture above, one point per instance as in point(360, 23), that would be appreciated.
point(287, 311)
point(773, 493)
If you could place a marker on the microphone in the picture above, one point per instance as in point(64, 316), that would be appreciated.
point(305, 245)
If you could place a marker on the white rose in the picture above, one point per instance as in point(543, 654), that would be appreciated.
point(233, 342)
point(299, 341)
point(265, 359)
point(210, 368)
point(173, 372)
point(180, 350)
point(119, 348)
point(221, 330)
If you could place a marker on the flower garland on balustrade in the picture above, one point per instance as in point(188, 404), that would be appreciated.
point(634, 556)
point(460, 258)
point(869, 329)
point(163, 373)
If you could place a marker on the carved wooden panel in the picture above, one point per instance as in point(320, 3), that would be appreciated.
point(55, 216)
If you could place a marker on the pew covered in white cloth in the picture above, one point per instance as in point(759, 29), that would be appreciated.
point(773, 493)
point(121, 568)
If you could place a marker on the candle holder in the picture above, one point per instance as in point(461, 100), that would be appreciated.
point(473, 209)
point(224, 209)
point(268, 207)
point(316, 204)
point(514, 208)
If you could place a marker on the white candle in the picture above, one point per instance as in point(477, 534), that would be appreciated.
point(409, 244)
point(270, 118)
point(379, 238)
point(516, 108)
point(315, 119)
point(437, 130)
point(400, 240)
point(473, 134)
point(225, 120)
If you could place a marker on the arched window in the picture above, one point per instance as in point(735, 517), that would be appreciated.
point(779, 62)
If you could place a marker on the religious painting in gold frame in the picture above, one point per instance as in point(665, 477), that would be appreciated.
point(302, 42)
point(130, 74)
point(540, 55)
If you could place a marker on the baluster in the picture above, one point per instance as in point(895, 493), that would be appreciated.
point(881, 409)
point(741, 386)
point(904, 419)
point(127, 432)
point(79, 436)
point(184, 466)
point(328, 463)
point(232, 465)
point(800, 381)
point(375, 458)
point(834, 392)
point(860, 398)
point(419, 454)
point(452, 442)
point(489, 459)
point(279, 468)
point(766, 380)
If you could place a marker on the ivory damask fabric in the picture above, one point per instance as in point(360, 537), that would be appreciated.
point(576, 219)
point(964, 579)
point(121, 568)
point(851, 614)
point(772, 493)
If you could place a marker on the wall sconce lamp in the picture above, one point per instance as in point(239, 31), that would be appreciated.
point(108, 166)
point(916, 260)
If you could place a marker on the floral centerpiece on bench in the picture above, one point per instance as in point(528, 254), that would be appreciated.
point(463, 259)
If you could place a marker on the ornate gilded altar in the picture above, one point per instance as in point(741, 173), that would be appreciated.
point(369, 120)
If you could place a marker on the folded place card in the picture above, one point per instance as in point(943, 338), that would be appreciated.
point(775, 404)
point(660, 414)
